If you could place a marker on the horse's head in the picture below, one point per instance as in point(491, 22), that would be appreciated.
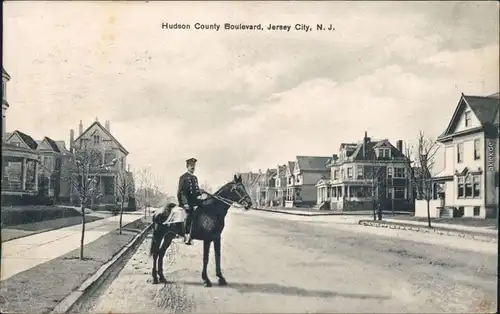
point(236, 192)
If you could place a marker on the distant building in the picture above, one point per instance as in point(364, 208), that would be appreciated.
point(302, 175)
point(470, 177)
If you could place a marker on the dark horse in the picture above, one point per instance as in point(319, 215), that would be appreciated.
point(217, 205)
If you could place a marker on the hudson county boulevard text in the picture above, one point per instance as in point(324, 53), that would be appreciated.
point(247, 27)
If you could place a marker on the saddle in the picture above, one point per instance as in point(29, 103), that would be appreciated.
point(207, 223)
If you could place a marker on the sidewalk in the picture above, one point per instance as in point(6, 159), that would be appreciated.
point(445, 226)
point(317, 212)
point(24, 253)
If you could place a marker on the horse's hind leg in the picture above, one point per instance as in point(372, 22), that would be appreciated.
point(167, 240)
point(206, 252)
point(155, 273)
point(218, 271)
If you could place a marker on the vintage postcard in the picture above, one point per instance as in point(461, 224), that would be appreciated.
point(250, 157)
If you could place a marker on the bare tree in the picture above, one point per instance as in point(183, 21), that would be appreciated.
point(125, 185)
point(144, 181)
point(426, 150)
point(87, 166)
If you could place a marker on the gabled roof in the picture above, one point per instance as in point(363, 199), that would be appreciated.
point(312, 163)
point(106, 132)
point(370, 150)
point(28, 140)
point(291, 166)
point(62, 146)
point(484, 108)
point(51, 142)
point(5, 74)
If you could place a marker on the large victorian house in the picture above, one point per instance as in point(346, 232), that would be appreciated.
point(111, 153)
point(266, 188)
point(302, 175)
point(367, 173)
point(470, 175)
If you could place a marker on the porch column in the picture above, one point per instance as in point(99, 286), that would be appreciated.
point(348, 187)
point(36, 175)
point(23, 174)
point(318, 195)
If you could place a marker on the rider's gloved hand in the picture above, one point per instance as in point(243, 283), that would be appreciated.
point(186, 207)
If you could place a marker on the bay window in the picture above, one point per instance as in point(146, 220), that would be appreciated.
point(469, 186)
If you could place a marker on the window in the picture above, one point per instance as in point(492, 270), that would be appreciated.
point(468, 186)
point(399, 172)
point(335, 174)
point(359, 170)
point(109, 156)
point(384, 152)
point(97, 139)
point(122, 161)
point(476, 186)
point(477, 154)
point(399, 193)
point(389, 172)
point(349, 172)
point(467, 117)
point(460, 152)
point(477, 210)
point(460, 182)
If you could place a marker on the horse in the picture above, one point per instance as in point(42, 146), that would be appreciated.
point(217, 203)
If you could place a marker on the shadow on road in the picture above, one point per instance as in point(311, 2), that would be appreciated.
point(294, 291)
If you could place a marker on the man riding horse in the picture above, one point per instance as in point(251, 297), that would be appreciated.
point(188, 195)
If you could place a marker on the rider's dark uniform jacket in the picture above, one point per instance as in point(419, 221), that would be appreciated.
point(188, 191)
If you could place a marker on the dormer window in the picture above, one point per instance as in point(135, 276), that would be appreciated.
point(467, 118)
point(384, 152)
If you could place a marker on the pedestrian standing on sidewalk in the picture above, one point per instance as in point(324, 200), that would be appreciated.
point(379, 211)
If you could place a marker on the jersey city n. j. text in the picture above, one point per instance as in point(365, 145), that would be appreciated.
point(301, 27)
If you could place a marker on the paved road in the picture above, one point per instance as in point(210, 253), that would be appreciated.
point(280, 263)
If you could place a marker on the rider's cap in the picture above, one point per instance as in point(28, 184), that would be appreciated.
point(191, 161)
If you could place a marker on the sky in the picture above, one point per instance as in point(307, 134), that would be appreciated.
point(244, 100)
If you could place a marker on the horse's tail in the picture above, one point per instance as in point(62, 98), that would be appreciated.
point(155, 243)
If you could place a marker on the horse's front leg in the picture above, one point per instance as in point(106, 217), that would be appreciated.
point(167, 240)
point(206, 255)
point(218, 271)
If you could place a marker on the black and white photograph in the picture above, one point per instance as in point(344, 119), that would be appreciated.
point(250, 157)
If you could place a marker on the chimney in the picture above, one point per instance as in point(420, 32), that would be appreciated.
point(80, 128)
point(71, 140)
point(106, 126)
point(399, 145)
point(365, 141)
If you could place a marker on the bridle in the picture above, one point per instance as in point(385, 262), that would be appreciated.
point(226, 200)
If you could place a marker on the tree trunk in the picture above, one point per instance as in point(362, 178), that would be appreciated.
point(82, 239)
point(429, 213)
point(121, 215)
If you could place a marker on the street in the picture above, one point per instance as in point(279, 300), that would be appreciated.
point(282, 263)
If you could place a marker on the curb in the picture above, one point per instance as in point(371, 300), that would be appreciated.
point(289, 213)
point(318, 214)
point(445, 232)
point(79, 295)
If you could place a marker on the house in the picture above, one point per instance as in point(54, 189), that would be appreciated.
point(280, 181)
point(470, 175)
point(250, 180)
point(302, 175)
point(368, 172)
point(54, 162)
point(266, 188)
point(19, 160)
point(100, 139)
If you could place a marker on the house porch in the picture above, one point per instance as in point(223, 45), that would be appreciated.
point(19, 173)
